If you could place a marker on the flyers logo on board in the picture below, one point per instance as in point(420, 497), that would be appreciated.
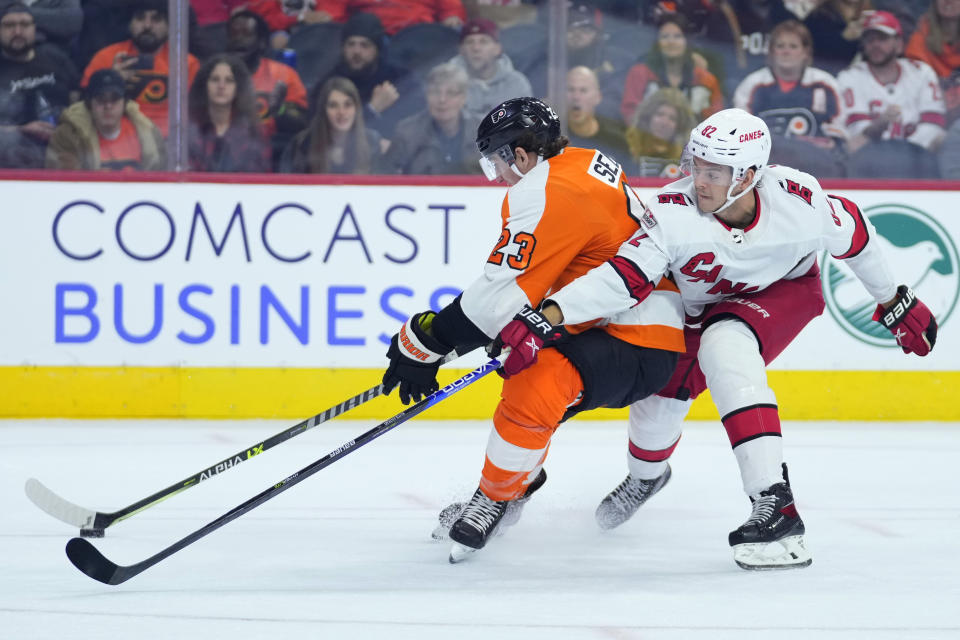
point(921, 254)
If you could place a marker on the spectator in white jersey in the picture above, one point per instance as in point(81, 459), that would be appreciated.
point(894, 107)
point(741, 240)
point(800, 103)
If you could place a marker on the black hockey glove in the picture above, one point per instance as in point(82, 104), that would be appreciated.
point(415, 356)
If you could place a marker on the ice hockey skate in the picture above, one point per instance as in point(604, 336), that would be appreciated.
point(621, 503)
point(772, 537)
point(450, 513)
point(482, 518)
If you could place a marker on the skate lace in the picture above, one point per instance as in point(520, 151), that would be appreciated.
point(630, 492)
point(481, 512)
point(763, 508)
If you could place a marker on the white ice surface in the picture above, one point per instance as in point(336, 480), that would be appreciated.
point(347, 554)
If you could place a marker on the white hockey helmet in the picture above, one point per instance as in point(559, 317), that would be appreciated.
point(733, 138)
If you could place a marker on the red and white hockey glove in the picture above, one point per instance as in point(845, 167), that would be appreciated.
point(910, 322)
point(415, 356)
point(526, 335)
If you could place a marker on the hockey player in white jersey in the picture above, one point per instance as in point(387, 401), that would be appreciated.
point(741, 240)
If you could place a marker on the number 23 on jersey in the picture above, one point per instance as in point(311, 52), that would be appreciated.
point(521, 259)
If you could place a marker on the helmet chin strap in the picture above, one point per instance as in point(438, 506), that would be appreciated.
point(513, 166)
point(732, 199)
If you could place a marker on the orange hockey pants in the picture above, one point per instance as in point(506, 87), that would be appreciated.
point(532, 403)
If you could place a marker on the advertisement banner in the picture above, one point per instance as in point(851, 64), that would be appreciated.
point(235, 299)
point(230, 275)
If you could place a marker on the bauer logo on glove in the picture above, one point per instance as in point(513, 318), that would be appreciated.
point(526, 335)
point(910, 322)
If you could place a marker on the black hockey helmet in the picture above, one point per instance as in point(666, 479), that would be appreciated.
point(526, 122)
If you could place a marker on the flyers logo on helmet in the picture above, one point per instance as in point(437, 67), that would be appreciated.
point(495, 118)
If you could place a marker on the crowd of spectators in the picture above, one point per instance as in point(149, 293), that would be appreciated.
point(850, 88)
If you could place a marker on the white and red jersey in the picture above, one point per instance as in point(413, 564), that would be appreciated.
point(916, 91)
point(710, 261)
point(567, 215)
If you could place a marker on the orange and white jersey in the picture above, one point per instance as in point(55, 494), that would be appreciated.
point(567, 215)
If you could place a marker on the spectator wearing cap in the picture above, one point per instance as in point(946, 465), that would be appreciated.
point(937, 42)
point(35, 86)
point(143, 61)
point(106, 131)
point(57, 21)
point(396, 14)
point(388, 93)
point(894, 108)
point(492, 78)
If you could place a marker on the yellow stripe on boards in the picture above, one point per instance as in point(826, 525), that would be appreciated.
point(223, 392)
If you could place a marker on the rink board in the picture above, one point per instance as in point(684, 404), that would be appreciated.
point(169, 299)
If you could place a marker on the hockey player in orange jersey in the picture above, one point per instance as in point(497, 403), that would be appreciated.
point(566, 211)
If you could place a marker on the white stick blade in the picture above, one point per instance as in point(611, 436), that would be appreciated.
point(57, 507)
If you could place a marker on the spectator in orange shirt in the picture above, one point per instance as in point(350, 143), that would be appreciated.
point(106, 131)
point(937, 42)
point(397, 14)
point(225, 132)
point(143, 61)
point(280, 94)
point(671, 63)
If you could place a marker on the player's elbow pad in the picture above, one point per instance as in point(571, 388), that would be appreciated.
point(636, 281)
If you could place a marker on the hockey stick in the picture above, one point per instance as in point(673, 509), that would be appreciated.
point(90, 561)
point(93, 523)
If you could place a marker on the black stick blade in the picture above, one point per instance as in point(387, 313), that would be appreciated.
point(90, 561)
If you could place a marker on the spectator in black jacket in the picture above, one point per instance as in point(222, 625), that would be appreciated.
point(35, 86)
point(388, 93)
